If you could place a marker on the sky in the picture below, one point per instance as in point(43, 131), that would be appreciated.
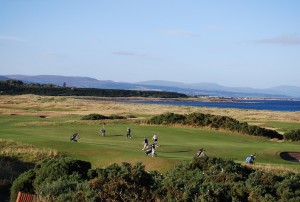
point(233, 43)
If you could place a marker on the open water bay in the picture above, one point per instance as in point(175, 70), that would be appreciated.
point(273, 105)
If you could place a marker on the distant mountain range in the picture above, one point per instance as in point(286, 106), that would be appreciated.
point(209, 89)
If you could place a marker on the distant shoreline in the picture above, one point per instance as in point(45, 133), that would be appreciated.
point(286, 105)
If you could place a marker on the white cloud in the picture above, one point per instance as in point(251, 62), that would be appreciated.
point(291, 39)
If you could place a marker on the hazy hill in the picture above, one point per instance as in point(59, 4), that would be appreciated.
point(3, 78)
point(279, 91)
point(211, 89)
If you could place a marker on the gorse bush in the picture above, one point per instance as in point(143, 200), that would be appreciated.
point(23, 183)
point(52, 177)
point(101, 117)
point(293, 135)
point(202, 179)
point(126, 183)
point(213, 121)
point(94, 117)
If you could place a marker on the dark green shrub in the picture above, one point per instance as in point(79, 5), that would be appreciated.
point(53, 169)
point(167, 118)
point(94, 117)
point(206, 179)
point(23, 183)
point(213, 121)
point(288, 188)
point(113, 116)
point(71, 188)
point(100, 117)
point(293, 135)
point(262, 185)
point(125, 183)
point(130, 116)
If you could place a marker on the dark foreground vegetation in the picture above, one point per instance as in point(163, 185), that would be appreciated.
point(15, 87)
point(201, 179)
point(216, 122)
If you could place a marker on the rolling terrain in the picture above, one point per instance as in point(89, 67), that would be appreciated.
point(48, 122)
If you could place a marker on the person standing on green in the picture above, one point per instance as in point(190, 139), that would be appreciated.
point(128, 135)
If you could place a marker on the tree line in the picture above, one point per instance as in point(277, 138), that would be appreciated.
point(16, 87)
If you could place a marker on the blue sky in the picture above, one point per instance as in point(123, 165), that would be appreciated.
point(233, 43)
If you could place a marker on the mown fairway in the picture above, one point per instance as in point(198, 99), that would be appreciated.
point(177, 143)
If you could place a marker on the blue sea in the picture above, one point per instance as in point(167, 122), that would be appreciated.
point(273, 105)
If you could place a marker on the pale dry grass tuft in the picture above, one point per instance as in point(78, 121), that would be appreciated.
point(25, 151)
point(273, 169)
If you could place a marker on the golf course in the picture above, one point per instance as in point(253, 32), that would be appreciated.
point(48, 122)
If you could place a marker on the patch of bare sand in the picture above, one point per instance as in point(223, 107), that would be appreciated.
point(290, 156)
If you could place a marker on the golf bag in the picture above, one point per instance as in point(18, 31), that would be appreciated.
point(150, 149)
point(250, 159)
point(73, 137)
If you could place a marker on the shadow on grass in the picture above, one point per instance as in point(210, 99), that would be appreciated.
point(177, 151)
point(10, 169)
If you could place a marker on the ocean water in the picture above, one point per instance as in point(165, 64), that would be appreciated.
point(273, 105)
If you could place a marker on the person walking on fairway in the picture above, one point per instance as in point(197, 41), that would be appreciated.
point(200, 153)
point(155, 138)
point(145, 144)
point(74, 137)
point(128, 134)
point(153, 154)
point(103, 131)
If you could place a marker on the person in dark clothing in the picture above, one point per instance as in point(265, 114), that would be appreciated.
point(151, 150)
point(128, 134)
point(145, 143)
point(74, 137)
point(103, 131)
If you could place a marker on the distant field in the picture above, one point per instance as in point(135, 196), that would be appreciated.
point(20, 121)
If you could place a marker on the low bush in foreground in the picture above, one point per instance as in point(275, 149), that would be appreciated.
point(201, 179)
point(15, 159)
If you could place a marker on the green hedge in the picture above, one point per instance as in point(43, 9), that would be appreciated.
point(214, 121)
point(100, 117)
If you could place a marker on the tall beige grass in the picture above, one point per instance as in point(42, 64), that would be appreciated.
point(24, 151)
point(280, 170)
point(55, 106)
